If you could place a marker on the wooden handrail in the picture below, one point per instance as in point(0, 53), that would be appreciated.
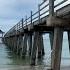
point(33, 16)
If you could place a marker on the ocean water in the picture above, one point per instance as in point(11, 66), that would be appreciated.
point(65, 57)
point(10, 61)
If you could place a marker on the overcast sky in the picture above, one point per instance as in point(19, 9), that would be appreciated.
point(11, 11)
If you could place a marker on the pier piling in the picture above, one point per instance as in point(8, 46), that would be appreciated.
point(57, 49)
point(34, 48)
point(24, 45)
point(69, 39)
point(30, 43)
point(51, 36)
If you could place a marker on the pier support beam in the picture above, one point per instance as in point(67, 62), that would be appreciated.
point(37, 43)
point(34, 48)
point(19, 45)
point(30, 43)
point(11, 43)
point(24, 46)
point(40, 46)
point(57, 48)
point(51, 36)
point(69, 39)
point(15, 44)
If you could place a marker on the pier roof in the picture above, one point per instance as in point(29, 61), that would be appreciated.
point(1, 31)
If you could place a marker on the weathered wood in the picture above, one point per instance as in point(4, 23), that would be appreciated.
point(56, 21)
point(13, 44)
point(24, 47)
point(22, 22)
point(40, 46)
point(17, 45)
point(21, 46)
point(51, 36)
point(30, 43)
point(10, 43)
point(51, 7)
point(34, 48)
point(37, 43)
point(69, 39)
point(57, 48)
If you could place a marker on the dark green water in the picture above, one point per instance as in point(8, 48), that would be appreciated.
point(10, 61)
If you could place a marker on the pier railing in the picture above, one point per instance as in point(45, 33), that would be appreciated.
point(43, 11)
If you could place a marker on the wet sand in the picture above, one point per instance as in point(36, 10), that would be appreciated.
point(41, 67)
point(18, 67)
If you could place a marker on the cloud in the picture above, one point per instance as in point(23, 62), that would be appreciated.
point(11, 11)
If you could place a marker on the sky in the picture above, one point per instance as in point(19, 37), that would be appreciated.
point(11, 11)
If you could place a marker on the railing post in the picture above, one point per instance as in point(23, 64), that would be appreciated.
point(51, 7)
point(19, 26)
point(26, 21)
point(31, 17)
point(39, 12)
point(17, 29)
point(22, 22)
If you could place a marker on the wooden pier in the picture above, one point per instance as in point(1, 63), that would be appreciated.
point(50, 18)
